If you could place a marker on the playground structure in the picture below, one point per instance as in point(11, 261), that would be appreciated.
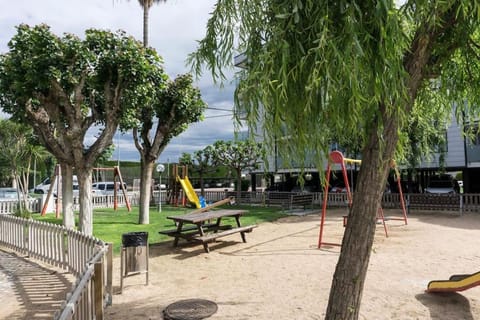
point(117, 175)
point(336, 157)
point(189, 192)
point(179, 180)
point(457, 282)
point(58, 204)
point(174, 187)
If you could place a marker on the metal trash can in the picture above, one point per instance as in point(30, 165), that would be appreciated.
point(134, 259)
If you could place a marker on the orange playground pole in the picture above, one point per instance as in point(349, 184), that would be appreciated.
point(336, 157)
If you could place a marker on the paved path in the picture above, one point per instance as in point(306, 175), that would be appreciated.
point(29, 290)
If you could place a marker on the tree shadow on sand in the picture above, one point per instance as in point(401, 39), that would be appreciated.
point(446, 306)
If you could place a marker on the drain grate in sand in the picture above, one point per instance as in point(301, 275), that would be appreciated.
point(190, 309)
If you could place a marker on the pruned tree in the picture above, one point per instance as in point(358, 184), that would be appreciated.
point(201, 162)
point(239, 156)
point(185, 159)
point(363, 66)
point(65, 86)
point(182, 106)
point(165, 112)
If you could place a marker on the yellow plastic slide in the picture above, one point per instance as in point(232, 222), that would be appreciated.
point(458, 282)
point(189, 192)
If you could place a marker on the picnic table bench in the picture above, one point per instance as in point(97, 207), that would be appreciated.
point(196, 227)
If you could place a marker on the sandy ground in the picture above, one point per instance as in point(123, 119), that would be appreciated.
point(30, 290)
point(280, 274)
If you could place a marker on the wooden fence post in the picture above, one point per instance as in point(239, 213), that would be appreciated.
point(109, 284)
point(98, 290)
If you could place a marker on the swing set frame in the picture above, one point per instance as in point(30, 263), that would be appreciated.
point(336, 157)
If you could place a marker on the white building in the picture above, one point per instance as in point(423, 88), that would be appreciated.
point(461, 155)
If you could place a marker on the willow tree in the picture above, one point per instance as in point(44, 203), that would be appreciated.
point(65, 86)
point(360, 67)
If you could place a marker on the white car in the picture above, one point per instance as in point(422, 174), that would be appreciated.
point(107, 188)
point(8, 194)
point(442, 186)
point(11, 194)
point(45, 186)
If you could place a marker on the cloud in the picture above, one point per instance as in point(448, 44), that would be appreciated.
point(174, 28)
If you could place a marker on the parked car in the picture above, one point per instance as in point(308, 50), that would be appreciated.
point(106, 187)
point(443, 184)
point(44, 186)
point(8, 194)
point(162, 186)
point(338, 187)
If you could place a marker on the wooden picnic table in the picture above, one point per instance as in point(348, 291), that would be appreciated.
point(198, 227)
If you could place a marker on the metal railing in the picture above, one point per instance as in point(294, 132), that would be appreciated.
point(413, 201)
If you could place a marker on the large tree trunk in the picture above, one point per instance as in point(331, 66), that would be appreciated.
point(67, 196)
point(349, 277)
point(146, 168)
point(85, 195)
point(351, 270)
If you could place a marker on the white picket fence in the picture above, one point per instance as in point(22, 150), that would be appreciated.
point(35, 205)
point(10, 206)
point(86, 257)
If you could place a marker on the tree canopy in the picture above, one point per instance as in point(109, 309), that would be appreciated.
point(238, 156)
point(165, 112)
point(18, 148)
point(360, 68)
point(201, 162)
point(65, 86)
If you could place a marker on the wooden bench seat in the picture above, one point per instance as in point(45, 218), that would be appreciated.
point(212, 236)
point(278, 198)
point(207, 227)
point(289, 200)
point(301, 199)
point(449, 202)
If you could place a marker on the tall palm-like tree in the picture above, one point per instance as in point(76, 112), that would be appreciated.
point(146, 5)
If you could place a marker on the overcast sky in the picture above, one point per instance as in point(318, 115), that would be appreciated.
point(174, 28)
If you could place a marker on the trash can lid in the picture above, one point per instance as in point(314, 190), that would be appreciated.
point(134, 239)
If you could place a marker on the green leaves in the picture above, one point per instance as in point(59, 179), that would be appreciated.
point(179, 104)
point(62, 86)
point(238, 155)
point(316, 70)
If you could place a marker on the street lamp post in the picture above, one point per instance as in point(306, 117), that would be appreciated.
point(160, 169)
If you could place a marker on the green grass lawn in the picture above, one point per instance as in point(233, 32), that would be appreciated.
point(109, 225)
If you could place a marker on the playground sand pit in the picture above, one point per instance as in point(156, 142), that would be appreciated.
point(280, 274)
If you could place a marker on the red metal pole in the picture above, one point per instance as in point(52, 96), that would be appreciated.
point(324, 206)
